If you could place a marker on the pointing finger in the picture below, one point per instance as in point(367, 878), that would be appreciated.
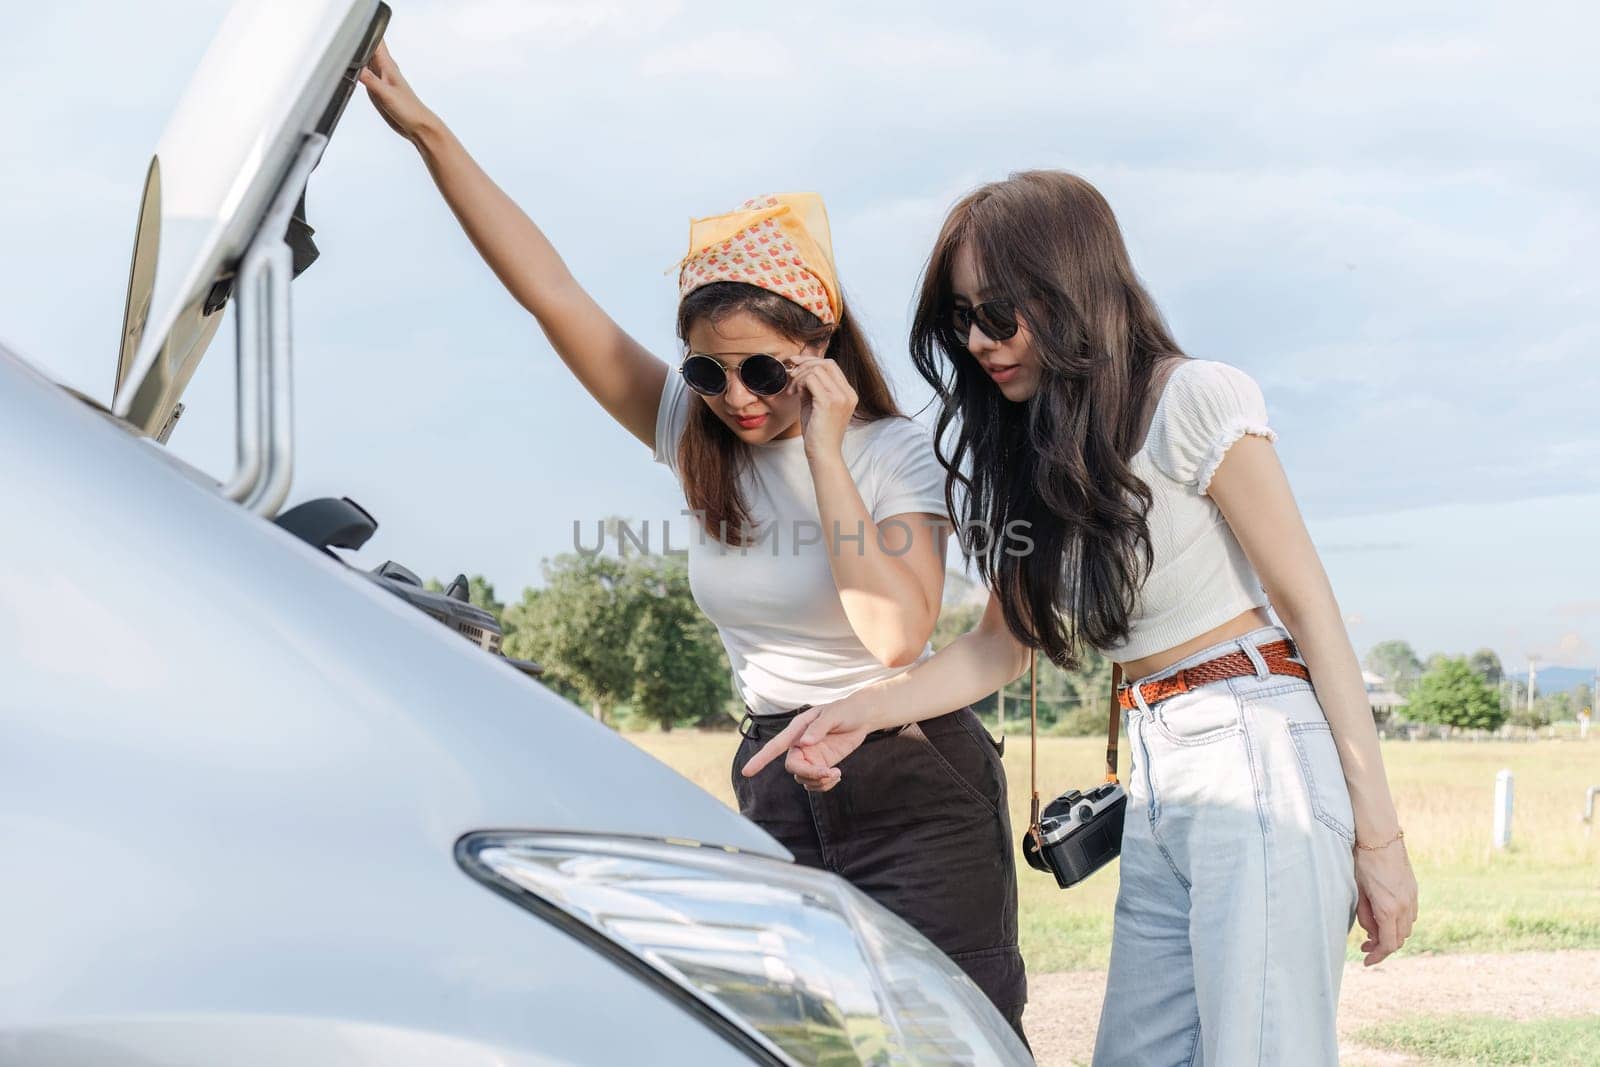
point(778, 745)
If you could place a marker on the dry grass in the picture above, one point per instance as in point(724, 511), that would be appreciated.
point(1542, 894)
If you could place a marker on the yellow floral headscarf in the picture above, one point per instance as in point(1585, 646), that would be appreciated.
point(779, 242)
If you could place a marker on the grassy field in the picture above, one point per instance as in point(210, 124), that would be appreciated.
point(1544, 893)
point(1469, 1040)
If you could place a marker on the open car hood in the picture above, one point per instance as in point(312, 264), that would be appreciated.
point(274, 74)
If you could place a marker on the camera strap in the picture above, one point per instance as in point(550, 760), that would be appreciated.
point(1113, 721)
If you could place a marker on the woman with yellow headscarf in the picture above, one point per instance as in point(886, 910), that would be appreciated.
point(823, 520)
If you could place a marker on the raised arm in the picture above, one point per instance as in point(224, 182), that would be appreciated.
point(1253, 494)
point(616, 370)
point(967, 669)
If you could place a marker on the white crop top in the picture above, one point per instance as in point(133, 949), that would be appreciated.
point(1200, 577)
point(774, 602)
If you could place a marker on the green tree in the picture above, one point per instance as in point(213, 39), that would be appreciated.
point(1453, 694)
point(480, 591)
point(1086, 697)
point(624, 634)
point(680, 672)
point(1397, 663)
point(1532, 717)
point(1557, 707)
point(517, 646)
point(1055, 696)
point(1486, 664)
point(1091, 682)
point(1070, 702)
point(578, 628)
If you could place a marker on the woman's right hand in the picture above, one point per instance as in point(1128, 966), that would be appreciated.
point(1386, 902)
point(393, 96)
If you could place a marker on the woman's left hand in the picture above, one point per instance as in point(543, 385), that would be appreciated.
point(1386, 905)
point(830, 401)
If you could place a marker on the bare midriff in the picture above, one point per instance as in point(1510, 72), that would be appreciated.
point(1238, 626)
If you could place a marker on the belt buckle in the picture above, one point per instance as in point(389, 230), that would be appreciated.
point(750, 729)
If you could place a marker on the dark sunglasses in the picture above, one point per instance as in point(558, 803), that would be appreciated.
point(996, 318)
point(762, 374)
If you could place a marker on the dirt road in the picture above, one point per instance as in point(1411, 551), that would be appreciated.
point(1063, 1008)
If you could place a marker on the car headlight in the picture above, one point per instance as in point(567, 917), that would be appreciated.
point(791, 963)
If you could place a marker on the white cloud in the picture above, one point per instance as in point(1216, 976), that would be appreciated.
point(520, 40)
point(768, 59)
point(1388, 218)
point(1451, 52)
point(536, 24)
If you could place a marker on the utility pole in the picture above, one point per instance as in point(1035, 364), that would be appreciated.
point(1533, 680)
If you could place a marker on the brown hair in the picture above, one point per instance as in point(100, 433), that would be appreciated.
point(710, 457)
point(1048, 242)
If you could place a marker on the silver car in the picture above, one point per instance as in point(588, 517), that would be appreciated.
point(256, 809)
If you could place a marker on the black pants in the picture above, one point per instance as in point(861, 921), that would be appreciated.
point(918, 822)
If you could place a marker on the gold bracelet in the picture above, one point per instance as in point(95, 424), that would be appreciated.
point(1399, 835)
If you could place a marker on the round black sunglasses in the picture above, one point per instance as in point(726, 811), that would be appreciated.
point(762, 374)
point(996, 318)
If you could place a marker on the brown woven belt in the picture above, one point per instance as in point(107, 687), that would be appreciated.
point(1278, 656)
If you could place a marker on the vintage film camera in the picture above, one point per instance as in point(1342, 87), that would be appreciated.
point(1078, 832)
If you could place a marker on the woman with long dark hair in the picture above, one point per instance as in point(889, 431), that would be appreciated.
point(822, 532)
point(1259, 820)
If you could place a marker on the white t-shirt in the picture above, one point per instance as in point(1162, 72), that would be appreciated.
point(1200, 577)
point(774, 601)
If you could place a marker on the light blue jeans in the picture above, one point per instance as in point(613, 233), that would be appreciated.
point(1238, 879)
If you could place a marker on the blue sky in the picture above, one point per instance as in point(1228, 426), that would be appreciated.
point(1388, 217)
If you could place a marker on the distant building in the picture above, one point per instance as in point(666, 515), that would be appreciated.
point(1383, 701)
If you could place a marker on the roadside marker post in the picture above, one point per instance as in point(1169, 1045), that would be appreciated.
point(1502, 809)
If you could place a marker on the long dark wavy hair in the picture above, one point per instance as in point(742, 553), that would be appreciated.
point(710, 456)
point(1048, 242)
